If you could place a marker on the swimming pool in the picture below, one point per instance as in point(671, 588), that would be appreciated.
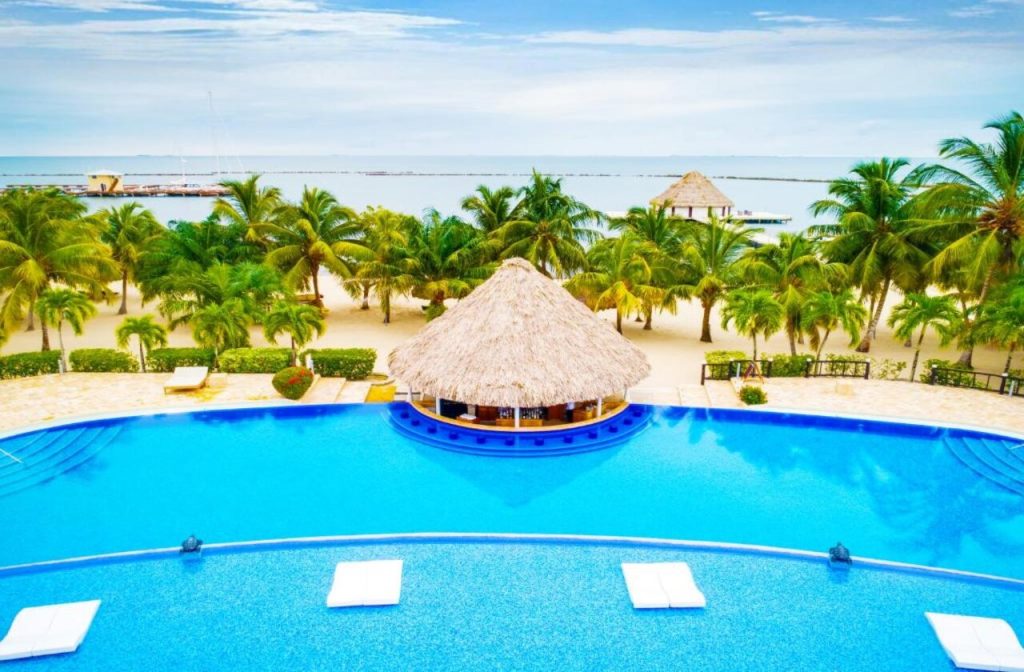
point(509, 606)
point(898, 492)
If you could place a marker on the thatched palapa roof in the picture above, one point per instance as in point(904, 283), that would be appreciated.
point(520, 339)
point(693, 190)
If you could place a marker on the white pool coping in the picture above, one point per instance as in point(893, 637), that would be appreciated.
point(507, 537)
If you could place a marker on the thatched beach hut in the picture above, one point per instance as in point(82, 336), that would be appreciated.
point(517, 347)
point(695, 197)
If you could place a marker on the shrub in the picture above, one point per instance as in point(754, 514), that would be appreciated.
point(165, 360)
point(293, 381)
point(953, 378)
point(752, 395)
point(434, 311)
point(350, 363)
point(102, 360)
point(254, 360)
point(724, 356)
point(25, 364)
point(786, 366)
point(888, 369)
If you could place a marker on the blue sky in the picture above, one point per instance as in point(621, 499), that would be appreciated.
point(569, 77)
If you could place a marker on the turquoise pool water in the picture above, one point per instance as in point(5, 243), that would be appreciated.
point(887, 491)
point(509, 606)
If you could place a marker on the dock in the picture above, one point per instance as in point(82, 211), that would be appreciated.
point(130, 190)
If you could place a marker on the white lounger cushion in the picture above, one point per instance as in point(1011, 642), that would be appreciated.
point(41, 631)
point(976, 643)
point(187, 377)
point(365, 584)
point(660, 585)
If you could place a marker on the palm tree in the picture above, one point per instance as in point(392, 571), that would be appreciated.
point(149, 334)
point(707, 265)
point(221, 326)
point(44, 238)
point(1002, 322)
point(57, 306)
point(491, 209)
point(551, 229)
point(447, 259)
point(753, 312)
point(317, 233)
point(187, 290)
point(924, 312)
point(387, 271)
point(131, 230)
point(299, 321)
point(249, 206)
point(619, 277)
point(825, 311)
point(979, 211)
point(875, 213)
point(792, 270)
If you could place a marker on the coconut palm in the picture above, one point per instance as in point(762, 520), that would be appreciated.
point(147, 332)
point(920, 311)
point(299, 321)
point(664, 233)
point(619, 277)
point(250, 206)
point(1001, 322)
point(188, 290)
point(44, 239)
point(875, 215)
point(825, 311)
point(551, 229)
point(316, 233)
point(220, 326)
point(707, 265)
point(387, 271)
point(131, 231)
point(792, 269)
point(447, 259)
point(753, 312)
point(60, 305)
point(491, 210)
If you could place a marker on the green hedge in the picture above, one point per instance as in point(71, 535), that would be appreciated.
point(292, 382)
point(787, 366)
point(724, 356)
point(752, 395)
point(350, 363)
point(254, 360)
point(25, 364)
point(165, 360)
point(102, 360)
point(948, 377)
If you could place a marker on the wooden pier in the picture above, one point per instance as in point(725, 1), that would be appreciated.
point(130, 190)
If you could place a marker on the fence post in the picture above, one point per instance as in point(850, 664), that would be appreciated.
point(1002, 382)
point(935, 375)
point(768, 368)
point(807, 367)
point(867, 370)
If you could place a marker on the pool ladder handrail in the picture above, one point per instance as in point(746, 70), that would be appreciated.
point(6, 454)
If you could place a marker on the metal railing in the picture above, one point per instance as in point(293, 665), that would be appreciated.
point(1002, 383)
point(812, 368)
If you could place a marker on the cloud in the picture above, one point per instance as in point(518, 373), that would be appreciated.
point(95, 5)
point(779, 17)
point(986, 8)
point(891, 19)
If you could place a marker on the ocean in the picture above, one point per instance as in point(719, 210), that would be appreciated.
point(415, 183)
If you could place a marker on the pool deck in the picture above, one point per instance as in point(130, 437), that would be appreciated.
point(32, 401)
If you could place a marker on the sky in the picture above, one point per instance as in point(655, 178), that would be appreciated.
point(522, 77)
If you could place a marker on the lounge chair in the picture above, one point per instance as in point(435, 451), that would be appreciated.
point(187, 378)
point(369, 583)
point(976, 643)
point(662, 585)
point(43, 631)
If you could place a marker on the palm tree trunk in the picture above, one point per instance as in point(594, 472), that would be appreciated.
point(123, 310)
point(649, 316)
point(917, 353)
point(142, 356)
point(46, 335)
point(705, 324)
point(60, 340)
point(1009, 360)
point(295, 355)
point(31, 326)
point(865, 343)
point(618, 321)
point(821, 346)
point(791, 333)
point(316, 286)
point(967, 356)
point(366, 299)
point(385, 303)
point(754, 337)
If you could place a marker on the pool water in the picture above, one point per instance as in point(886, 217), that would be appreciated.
point(508, 606)
point(886, 491)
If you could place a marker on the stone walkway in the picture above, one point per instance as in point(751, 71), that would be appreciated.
point(30, 401)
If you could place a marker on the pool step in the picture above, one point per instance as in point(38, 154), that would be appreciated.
point(991, 459)
point(57, 452)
